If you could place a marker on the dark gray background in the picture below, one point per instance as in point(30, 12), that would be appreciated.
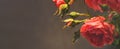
point(30, 24)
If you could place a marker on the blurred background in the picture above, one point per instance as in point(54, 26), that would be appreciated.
point(30, 24)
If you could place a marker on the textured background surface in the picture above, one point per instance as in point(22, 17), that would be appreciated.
point(29, 24)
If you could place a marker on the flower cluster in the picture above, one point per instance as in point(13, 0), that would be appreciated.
point(98, 30)
point(95, 4)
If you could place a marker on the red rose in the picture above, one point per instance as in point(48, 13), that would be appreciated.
point(114, 5)
point(94, 4)
point(98, 32)
point(59, 2)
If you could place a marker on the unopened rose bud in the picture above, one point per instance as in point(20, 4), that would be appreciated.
point(63, 6)
point(74, 14)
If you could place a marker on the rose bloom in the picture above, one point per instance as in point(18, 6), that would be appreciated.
point(98, 32)
point(59, 2)
point(114, 5)
point(95, 4)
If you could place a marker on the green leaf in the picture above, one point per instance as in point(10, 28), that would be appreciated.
point(116, 42)
point(104, 7)
point(115, 21)
point(67, 1)
point(76, 36)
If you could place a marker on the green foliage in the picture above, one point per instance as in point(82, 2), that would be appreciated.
point(67, 1)
point(116, 42)
point(116, 22)
point(76, 36)
point(104, 7)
